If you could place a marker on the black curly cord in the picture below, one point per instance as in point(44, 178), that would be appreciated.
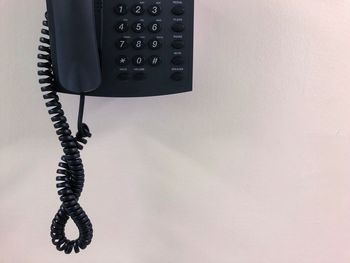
point(71, 177)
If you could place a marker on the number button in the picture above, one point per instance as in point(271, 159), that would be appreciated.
point(154, 10)
point(120, 9)
point(122, 44)
point(122, 61)
point(138, 27)
point(138, 61)
point(138, 44)
point(154, 44)
point(121, 27)
point(154, 61)
point(154, 27)
point(137, 10)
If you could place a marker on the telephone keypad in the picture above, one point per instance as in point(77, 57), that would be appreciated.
point(153, 47)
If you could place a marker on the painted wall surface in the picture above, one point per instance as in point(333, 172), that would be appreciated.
point(252, 167)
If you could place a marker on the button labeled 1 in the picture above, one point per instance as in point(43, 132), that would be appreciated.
point(120, 9)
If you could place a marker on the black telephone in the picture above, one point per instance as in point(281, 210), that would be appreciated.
point(122, 48)
point(107, 48)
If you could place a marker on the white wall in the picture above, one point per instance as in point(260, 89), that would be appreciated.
point(252, 167)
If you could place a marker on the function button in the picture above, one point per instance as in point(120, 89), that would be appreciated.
point(178, 10)
point(154, 27)
point(178, 27)
point(138, 27)
point(137, 10)
point(178, 44)
point(154, 10)
point(177, 76)
point(122, 61)
point(138, 61)
point(138, 43)
point(178, 60)
point(154, 44)
point(122, 44)
point(123, 75)
point(121, 27)
point(139, 76)
point(120, 9)
point(154, 61)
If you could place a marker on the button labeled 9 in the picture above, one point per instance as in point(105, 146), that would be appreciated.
point(154, 44)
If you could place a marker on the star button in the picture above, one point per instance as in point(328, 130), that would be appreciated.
point(123, 60)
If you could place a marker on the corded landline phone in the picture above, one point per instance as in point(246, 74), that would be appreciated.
point(108, 48)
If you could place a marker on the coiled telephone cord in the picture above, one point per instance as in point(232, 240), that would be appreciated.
point(71, 176)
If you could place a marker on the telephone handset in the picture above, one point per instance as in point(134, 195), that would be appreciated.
point(108, 48)
point(74, 45)
point(122, 48)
